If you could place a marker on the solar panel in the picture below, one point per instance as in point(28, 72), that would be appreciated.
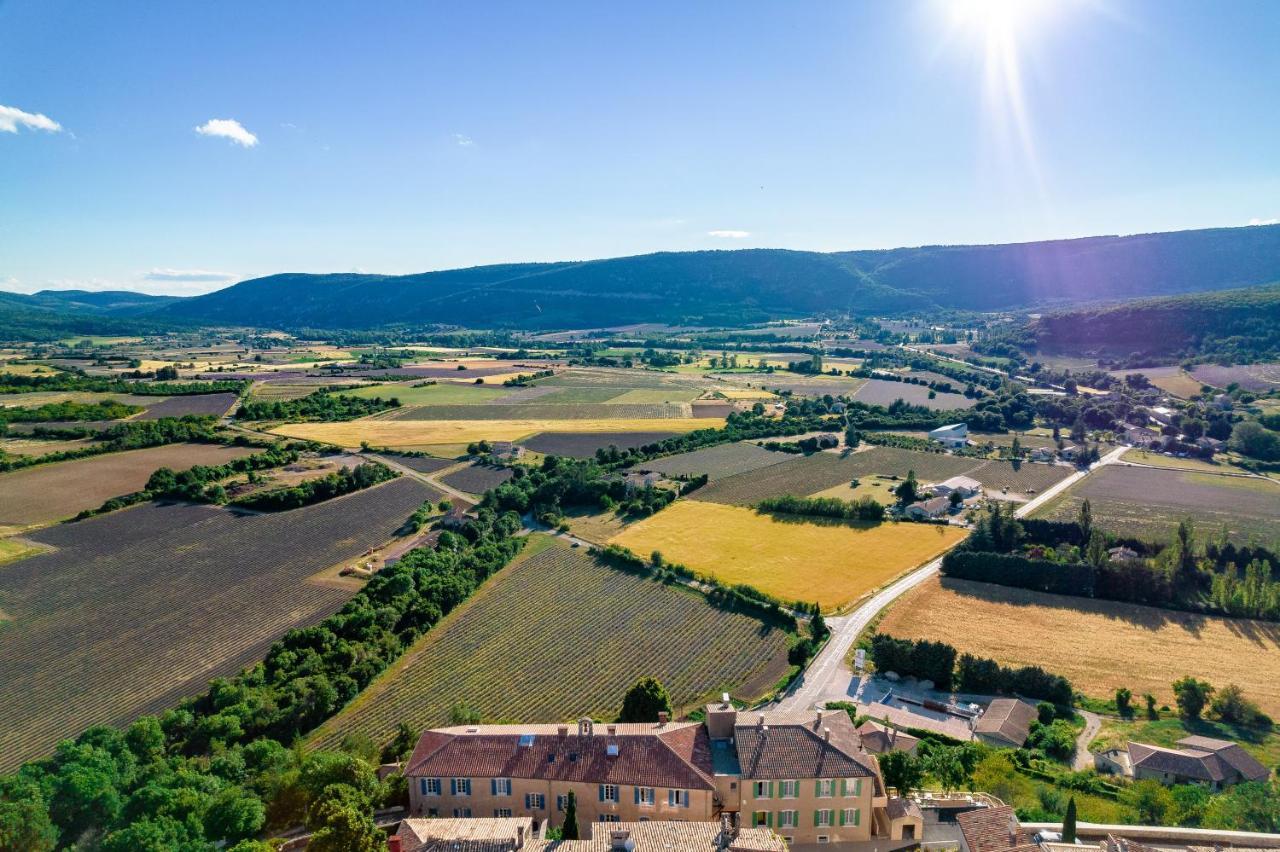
point(526, 740)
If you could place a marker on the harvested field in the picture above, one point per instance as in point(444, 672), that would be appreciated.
point(578, 395)
point(657, 395)
point(583, 632)
point(477, 478)
point(711, 409)
point(717, 462)
point(801, 475)
point(831, 562)
point(1148, 503)
point(1172, 380)
point(286, 389)
point(437, 394)
point(1254, 377)
point(581, 445)
point(41, 495)
point(416, 434)
point(801, 386)
point(211, 404)
point(1098, 645)
point(881, 392)
point(622, 379)
point(140, 608)
point(37, 447)
point(539, 411)
point(1152, 459)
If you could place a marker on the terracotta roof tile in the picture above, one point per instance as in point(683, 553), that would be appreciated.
point(787, 746)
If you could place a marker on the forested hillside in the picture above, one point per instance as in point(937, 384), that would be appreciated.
point(1234, 326)
point(724, 287)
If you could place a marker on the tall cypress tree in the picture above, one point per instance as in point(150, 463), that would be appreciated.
point(1069, 822)
point(570, 830)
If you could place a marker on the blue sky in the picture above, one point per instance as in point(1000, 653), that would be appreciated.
point(402, 137)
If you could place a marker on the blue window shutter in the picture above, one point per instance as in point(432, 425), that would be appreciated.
point(684, 798)
point(602, 792)
point(453, 786)
point(636, 791)
point(493, 786)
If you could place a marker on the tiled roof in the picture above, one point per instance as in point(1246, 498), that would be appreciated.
point(473, 835)
point(1200, 759)
point(994, 830)
point(789, 746)
point(1231, 754)
point(486, 834)
point(878, 738)
point(672, 755)
point(1008, 719)
point(900, 807)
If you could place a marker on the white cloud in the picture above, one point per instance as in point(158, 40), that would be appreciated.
point(1257, 221)
point(187, 275)
point(12, 117)
point(228, 128)
point(463, 140)
point(729, 235)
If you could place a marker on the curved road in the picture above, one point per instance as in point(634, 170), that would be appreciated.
point(829, 677)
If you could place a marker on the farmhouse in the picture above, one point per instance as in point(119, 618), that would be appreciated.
point(953, 436)
point(966, 487)
point(1070, 452)
point(508, 834)
point(1041, 454)
point(934, 507)
point(879, 738)
point(1122, 554)
point(640, 480)
point(503, 450)
point(1201, 760)
point(1141, 436)
point(807, 777)
point(1006, 722)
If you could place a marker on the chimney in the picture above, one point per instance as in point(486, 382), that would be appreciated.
point(519, 836)
point(612, 729)
point(563, 731)
point(393, 843)
point(760, 720)
point(663, 716)
point(620, 840)
point(819, 716)
point(826, 735)
point(724, 699)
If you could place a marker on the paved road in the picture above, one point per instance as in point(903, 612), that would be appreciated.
point(829, 677)
point(1083, 759)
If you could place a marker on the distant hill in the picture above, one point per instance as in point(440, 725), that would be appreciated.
point(54, 314)
point(725, 287)
point(1237, 326)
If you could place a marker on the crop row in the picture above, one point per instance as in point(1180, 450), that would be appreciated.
point(540, 411)
point(140, 607)
point(559, 635)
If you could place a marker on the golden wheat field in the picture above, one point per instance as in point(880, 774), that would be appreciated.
point(415, 434)
point(1098, 645)
point(833, 563)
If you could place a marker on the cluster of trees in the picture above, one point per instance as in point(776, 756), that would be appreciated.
point(53, 412)
point(862, 509)
point(799, 417)
point(128, 435)
point(201, 483)
point(525, 378)
point(335, 484)
point(940, 663)
point(322, 405)
point(215, 771)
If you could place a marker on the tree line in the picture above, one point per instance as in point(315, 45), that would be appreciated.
point(323, 405)
point(940, 663)
point(340, 482)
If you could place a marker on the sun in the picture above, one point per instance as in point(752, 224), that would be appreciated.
point(996, 18)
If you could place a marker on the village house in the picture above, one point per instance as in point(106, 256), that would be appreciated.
point(966, 487)
point(953, 436)
point(934, 507)
point(505, 450)
point(1201, 760)
point(806, 777)
point(1005, 723)
point(640, 480)
point(879, 738)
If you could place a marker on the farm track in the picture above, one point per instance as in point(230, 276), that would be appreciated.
point(558, 635)
point(140, 608)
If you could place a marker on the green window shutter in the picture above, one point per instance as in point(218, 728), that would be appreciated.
point(844, 786)
point(770, 790)
point(857, 787)
point(842, 816)
point(817, 789)
point(815, 819)
point(768, 819)
point(857, 816)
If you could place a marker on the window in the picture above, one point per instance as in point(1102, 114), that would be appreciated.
point(678, 798)
point(433, 812)
point(500, 786)
point(851, 787)
point(610, 818)
point(822, 817)
point(462, 813)
point(788, 819)
point(825, 788)
point(645, 797)
point(562, 802)
point(429, 786)
point(764, 789)
point(608, 792)
point(502, 813)
point(851, 816)
point(460, 786)
point(822, 838)
point(761, 818)
point(535, 801)
point(789, 789)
